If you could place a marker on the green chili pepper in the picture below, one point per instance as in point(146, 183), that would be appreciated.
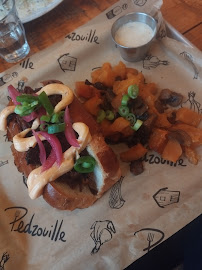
point(101, 116)
point(26, 109)
point(26, 98)
point(137, 125)
point(57, 117)
point(123, 110)
point(131, 118)
point(133, 91)
point(125, 100)
point(55, 128)
point(45, 118)
point(44, 127)
point(45, 102)
point(85, 164)
point(109, 115)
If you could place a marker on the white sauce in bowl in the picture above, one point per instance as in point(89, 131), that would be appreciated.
point(134, 34)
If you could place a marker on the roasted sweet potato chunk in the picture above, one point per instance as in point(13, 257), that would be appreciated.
point(83, 90)
point(158, 140)
point(188, 116)
point(119, 125)
point(134, 153)
point(172, 151)
point(92, 105)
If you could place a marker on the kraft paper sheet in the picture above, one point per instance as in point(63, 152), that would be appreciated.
point(135, 215)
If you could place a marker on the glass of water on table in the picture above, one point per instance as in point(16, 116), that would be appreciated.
point(13, 42)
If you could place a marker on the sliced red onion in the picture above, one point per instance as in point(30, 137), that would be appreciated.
point(55, 143)
point(30, 117)
point(41, 111)
point(13, 93)
point(42, 151)
point(49, 161)
point(69, 132)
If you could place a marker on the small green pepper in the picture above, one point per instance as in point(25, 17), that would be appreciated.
point(101, 116)
point(109, 115)
point(85, 164)
point(123, 110)
point(133, 91)
point(55, 128)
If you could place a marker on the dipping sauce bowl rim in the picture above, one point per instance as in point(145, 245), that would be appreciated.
point(132, 13)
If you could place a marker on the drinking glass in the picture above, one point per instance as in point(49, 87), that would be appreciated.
point(13, 42)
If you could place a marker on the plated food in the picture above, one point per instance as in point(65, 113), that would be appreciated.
point(133, 111)
point(29, 10)
point(61, 142)
point(58, 146)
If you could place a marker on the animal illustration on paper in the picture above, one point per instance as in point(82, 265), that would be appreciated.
point(151, 61)
point(161, 32)
point(116, 200)
point(102, 232)
point(191, 103)
point(4, 258)
point(189, 58)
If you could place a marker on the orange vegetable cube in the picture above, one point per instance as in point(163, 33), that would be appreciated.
point(130, 71)
point(188, 116)
point(104, 75)
point(92, 105)
point(194, 133)
point(162, 121)
point(116, 101)
point(83, 90)
point(172, 151)
point(134, 153)
point(119, 125)
point(120, 70)
point(158, 140)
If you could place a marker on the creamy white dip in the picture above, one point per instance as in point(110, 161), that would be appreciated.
point(134, 34)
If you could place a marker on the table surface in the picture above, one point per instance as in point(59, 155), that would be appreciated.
point(183, 15)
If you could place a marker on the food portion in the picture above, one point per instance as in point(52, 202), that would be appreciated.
point(58, 146)
point(61, 142)
point(133, 111)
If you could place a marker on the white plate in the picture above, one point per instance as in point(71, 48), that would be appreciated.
point(29, 10)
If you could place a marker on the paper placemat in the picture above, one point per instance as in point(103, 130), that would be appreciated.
point(148, 209)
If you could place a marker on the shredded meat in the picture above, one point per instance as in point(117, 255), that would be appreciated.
point(28, 161)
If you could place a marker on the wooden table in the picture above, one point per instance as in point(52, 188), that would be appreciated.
point(184, 15)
